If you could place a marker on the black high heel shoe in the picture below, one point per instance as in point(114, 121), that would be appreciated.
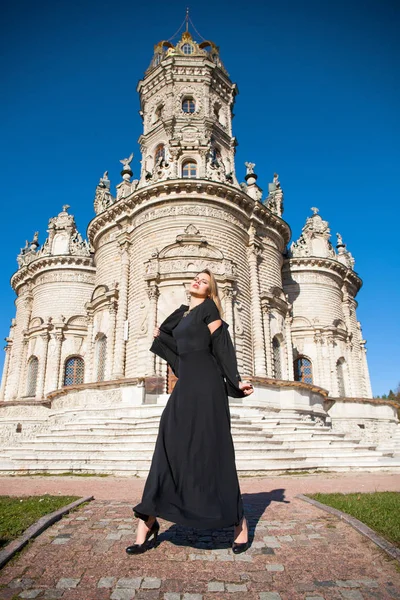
point(239, 548)
point(140, 548)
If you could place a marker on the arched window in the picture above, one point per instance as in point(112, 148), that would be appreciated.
point(303, 370)
point(159, 155)
point(276, 347)
point(101, 349)
point(189, 169)
point(31, 380)
point(187, 49)
point(74, 370)
point(188, 105)
point(158, 112)
point(340, 372)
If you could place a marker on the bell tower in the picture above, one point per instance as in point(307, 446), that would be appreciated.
point(186, 100)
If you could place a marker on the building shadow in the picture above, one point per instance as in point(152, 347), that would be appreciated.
point(254, 504)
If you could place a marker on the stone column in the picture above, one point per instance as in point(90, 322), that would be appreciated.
point(59, 337)
point(89, 348)
point(19, 362)
point(289, 348)
point(228, 317)
point(7, 350)
point(334, 388)
point(112, 311)
point(268, 341)
point(365, 372)
point(153, 293)
point(23, 367)
point(254, 251)
point(349, 359)
point(43, 363)
point(318, 375)
point(122, 315)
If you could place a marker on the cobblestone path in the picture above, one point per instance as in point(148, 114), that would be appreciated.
point(297, 553)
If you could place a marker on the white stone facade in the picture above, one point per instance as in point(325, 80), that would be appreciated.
point(85, 311)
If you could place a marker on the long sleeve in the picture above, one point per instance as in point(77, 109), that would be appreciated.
point(164, 345)
point(224, 352)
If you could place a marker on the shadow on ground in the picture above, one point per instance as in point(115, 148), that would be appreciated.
point(212, 539)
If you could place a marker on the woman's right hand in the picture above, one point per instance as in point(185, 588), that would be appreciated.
point(156, 332)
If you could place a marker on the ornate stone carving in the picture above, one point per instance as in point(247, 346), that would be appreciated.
point(314, 239)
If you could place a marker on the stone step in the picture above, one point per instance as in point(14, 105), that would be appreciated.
point(246, 467)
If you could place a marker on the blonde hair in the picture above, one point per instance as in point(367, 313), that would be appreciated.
point(214, 294)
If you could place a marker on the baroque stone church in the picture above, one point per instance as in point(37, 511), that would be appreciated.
point(86, 309)
point(80, 390)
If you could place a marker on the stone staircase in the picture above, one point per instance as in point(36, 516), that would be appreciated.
point(392, 444)
point(120, 440)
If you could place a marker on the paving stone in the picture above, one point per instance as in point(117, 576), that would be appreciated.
point(172, 596)
point(270, 596)
point(285, 538)
point(215, 586)
point(372, 583)
point(53, 594)
point(66, 583)
point(201, 557)
point(129, 582)
point(30, 593)
point(267, 550)
point(114, 536)
point(225, 558)
point(106, 582)
point(326, 584)
point(242, 558)
point(271, 541)
point(192, 597)
point(275, 567)
point(236, 587)
point(314, 536)
point(352, 595)
point(58, 541)
point(151, 583)
point(23, 582)
point(123, 594)
point(314, 598)
point(348, 583)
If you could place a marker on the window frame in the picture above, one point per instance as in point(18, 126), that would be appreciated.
point(76, 357)
point(185, 164)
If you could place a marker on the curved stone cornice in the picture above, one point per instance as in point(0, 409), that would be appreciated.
point(172, 190)
point(314, 263)
point(46, 263)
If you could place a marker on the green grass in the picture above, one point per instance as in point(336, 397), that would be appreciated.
point(378, 510)
point(17, 514)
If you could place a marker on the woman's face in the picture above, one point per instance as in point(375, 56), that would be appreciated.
point(200, 285)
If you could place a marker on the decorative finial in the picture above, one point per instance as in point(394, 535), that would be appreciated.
point(250, 167)
point(276, 180)
point(127, 162)
point(187, 19)
point(66, 207)
point(126, 169)
point(339, 241)
point(315, 210)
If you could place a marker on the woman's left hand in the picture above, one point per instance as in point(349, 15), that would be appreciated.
point(246, 387)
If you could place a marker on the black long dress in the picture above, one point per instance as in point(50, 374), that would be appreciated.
point(193, 479)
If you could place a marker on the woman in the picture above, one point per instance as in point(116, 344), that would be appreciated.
point(193, 479)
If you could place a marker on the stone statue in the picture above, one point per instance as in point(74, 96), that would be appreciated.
point(315, 210)
point(339, 239)
point(276, 180)
point(127, 162)
point(250, 167)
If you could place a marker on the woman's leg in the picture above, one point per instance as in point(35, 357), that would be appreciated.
point(241, 535)
point(143, 528)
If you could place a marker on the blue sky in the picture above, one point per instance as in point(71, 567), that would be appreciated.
point(318, 103)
